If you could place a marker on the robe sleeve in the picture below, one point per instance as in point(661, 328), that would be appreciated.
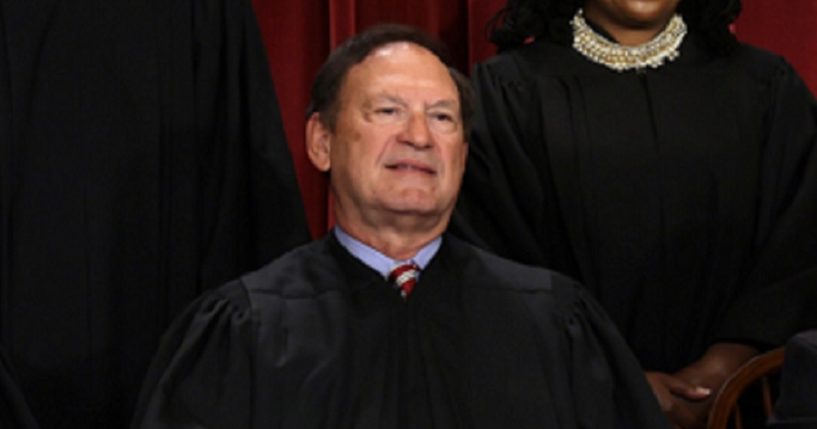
point(500, 205)
point(201, 376)
point(609, 387)
point(602, 381)
point(779, 297)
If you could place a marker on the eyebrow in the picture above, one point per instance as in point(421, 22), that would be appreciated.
point(449, 104)
point(386, 97)
point(445, 103)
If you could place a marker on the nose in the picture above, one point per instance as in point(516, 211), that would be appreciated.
point(416, 132)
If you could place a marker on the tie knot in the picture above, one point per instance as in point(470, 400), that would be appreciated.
point(404, 277)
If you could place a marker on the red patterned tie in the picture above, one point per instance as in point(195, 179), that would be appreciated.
point(404, 276)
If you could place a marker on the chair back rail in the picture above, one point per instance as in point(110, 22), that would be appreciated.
point(759, 369)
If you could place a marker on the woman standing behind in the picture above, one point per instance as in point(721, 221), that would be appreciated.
point(636, 145)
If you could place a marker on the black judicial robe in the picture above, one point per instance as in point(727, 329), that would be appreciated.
point(317, 339)
point(14, 412)
point(142, 161)
point(684, 197)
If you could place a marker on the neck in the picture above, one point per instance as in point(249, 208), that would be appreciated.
point(398, 239)
point(624, 34)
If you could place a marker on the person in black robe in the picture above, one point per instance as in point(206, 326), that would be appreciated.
point(142, 161)
point(681, 194)
point(320, 338)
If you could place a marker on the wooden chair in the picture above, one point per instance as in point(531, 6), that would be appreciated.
point(759, 370)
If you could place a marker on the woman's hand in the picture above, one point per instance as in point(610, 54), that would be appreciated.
point(686, 396)
point(676, 397)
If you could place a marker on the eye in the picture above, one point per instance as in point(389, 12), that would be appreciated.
point(443, 121)
point(387, 114)
point(386, 111)
point(442, 117)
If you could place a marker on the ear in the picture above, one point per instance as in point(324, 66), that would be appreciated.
point(318, 143)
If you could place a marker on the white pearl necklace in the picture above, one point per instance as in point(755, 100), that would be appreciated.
point(663, 47)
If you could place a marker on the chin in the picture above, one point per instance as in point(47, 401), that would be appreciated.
point(415, 207)
point(421, 201)
point(407, 205)
point(648, 14)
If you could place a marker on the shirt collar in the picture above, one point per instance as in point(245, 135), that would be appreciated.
point(380, 262)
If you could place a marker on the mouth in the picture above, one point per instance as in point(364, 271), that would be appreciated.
point(411, 166)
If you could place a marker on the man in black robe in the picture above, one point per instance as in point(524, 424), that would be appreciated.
point(142, 161)
point(325, 337)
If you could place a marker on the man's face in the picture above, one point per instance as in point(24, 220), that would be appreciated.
point(398, 146)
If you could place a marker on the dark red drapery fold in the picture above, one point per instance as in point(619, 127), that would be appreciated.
point(786, 27)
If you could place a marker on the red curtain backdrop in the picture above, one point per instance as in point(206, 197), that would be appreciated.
point(788, 27)
point(299, 34)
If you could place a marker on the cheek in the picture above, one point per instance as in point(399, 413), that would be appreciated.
point(456, 159)
point(346, 149)
point(368, 145)
point(464, 155)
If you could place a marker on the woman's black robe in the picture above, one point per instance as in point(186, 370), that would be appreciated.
point(683, 197)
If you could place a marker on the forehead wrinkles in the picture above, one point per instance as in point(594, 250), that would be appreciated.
point(400, 71)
